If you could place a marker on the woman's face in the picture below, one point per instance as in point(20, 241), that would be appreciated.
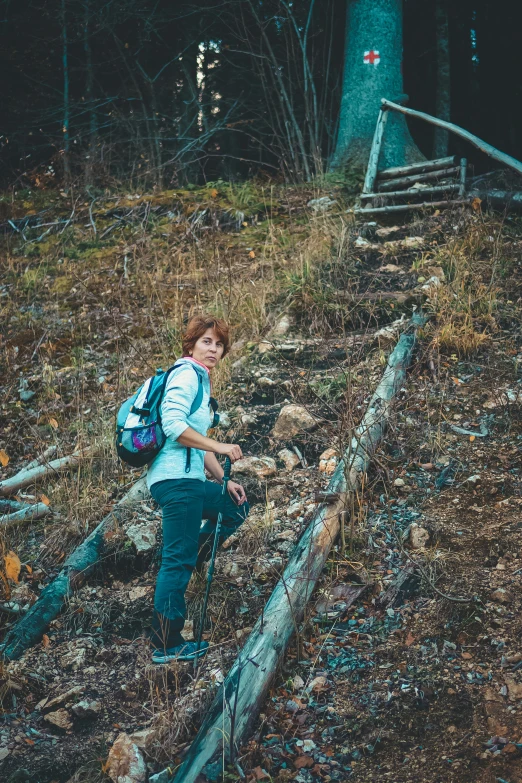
point(208, 349)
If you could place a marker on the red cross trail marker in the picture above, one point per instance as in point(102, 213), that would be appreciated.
point(372, 57)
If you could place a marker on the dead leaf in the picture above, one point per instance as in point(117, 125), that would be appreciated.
point(45, 500)
point(12, 566)
point(409, 640)
point(4, 458)
point(303, 761)
point(46, 641)
point(252, 254)
point(260, 773)
point(471, 438)
point(476, 203)
point(28, 569)
point(53, 423)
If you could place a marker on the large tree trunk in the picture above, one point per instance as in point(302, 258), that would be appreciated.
point(440, 139)
point(372, 26)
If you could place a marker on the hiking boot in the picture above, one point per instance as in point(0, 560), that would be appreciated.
point(182, 652)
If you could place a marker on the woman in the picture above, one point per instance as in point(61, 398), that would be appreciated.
point(177, 482)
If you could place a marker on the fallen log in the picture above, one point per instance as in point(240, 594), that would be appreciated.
point(31, 627)
point(412, 192)
point(405, 182)
point(30, 475)
point(418, 168)
point(500, 199)
point(239, 699)
point(407, 207)
point(36, 511)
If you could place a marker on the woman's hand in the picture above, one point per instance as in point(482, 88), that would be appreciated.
point(236, 492)
point(230, 450)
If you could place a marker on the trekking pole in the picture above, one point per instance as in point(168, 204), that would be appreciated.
point(210, 572)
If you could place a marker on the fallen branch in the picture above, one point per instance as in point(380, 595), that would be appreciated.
point(36, 511)
point(408, 207)
point(31, 627)
point(501, 199)
point(30, 475)
point(244, 690)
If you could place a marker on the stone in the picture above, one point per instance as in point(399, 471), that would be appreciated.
point(399, 482)
point(266, 383)
point(298, 683)
point(290, 459)
point(87, 709)
point(392, 268)
point(265, 346)
point(328, 461)
point(514, 689)
point(292, 420)
point(259, 467)
point(282, 326)
point(408, 243)
point(143, 536)
point(4, 752)
point(322, 204)
point(74, 659)
point(59, 718)
point(248, 419)
point(231, 570)
point(419, 536)
point(501, 596)
point(224, 420)
point(295, 509)
point(385, 231)
point(64, 698)
point(144, 739)
point(125, 763)
point(242, 634)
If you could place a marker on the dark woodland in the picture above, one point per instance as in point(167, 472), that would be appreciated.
point(165, 93)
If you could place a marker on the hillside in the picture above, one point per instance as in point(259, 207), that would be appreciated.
point(423, 682)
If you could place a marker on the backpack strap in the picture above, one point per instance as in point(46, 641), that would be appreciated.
point(194, 407)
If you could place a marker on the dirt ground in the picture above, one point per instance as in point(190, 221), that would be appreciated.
point(424, 682)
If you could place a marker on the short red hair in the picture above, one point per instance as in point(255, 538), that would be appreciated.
point(196, 328)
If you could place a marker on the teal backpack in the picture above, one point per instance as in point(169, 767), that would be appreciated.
point(139, 434)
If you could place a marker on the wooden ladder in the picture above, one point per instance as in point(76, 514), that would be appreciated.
point(399, 189)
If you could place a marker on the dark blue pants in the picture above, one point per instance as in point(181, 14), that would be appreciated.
point(185, 503)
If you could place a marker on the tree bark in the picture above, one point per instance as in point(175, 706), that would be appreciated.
point(372, 26)
point(443, 105)
point(239, 699)
point(66, 108)
point(78, 565)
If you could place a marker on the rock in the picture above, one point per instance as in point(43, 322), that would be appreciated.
point(328, 461)
point(408, 243)
point(59, 718)
point(143, 536)
point(249, 419)
point(501, 596)
point(138, 592)
point(290, 459)
point(87, 709)
point(392, 268)
point(514, 689)
point(266, 383)
point(64, 698)
point(490, 694)
point(259, 467)
point(322, 204)
point(231, 570)
point(74, 659)
point(125, 763)
point(286, 535)
point(474, 479)
point(419, 536)
point(144, 739)
point(242, 634)
point(399, 482)
point(188, 631)
point(298, 683)
point(361, 242)
point(292, 420)
point(4, 752)
point(265, 346)
point(295, 509)
point(385, 231)
point(317, 685)
point(224, 421)
point(282, 326)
